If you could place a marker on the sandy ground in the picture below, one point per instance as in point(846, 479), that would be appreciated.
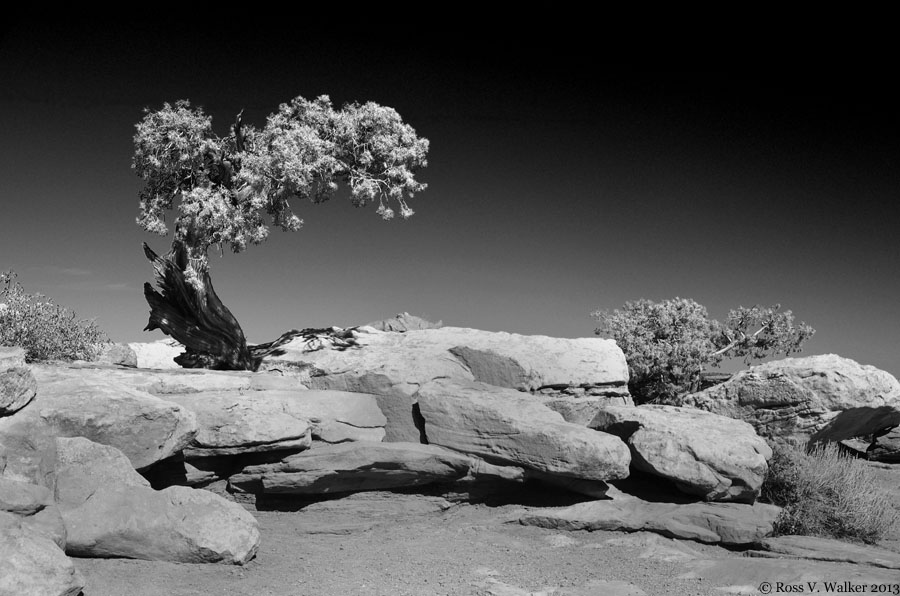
point(387, 544)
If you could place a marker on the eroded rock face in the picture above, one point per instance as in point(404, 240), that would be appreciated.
point(110, 511)
point(17, 384)
point(351, 467)
point(735, 524)
point(147, 429)
point(507, 427)
point(704, 454)
point(793, 399)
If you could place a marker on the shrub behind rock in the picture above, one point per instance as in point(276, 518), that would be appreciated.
point(46, 331)
point(827, 493)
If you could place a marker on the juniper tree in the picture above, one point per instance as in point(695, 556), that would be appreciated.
point(229, 191)
point(668, 344)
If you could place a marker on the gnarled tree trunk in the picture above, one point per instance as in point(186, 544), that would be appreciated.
point(213, 338)
point(197, 318)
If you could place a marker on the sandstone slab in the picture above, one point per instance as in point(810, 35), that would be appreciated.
point(731, 524)
point(704, 454)
point(508, 427)
point(351, 467)
point(886, 448)
point(828, 549)
point(791, 400)
point(146, 428)
point(395, 365)
point(159, 354)
point(110, 511)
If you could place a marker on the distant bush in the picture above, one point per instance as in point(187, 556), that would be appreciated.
point(46, 331)
point(669, 344)
point(827, 493)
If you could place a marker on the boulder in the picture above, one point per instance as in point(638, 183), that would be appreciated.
point(17, 384)
point(110, 511)
point(146, 428)
point(117, 355)
point(728, 524)
point(394, 365)
point(886, 448)
point(351, 467)
point(791, 400)
point(507, 427)
point(232, 423)
point(159, 354)
point(704, 454)
point(31, 564)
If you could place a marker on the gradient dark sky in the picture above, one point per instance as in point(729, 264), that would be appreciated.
point(560, 181)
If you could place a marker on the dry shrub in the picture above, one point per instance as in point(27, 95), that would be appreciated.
point(47, 331)
point(825, 492)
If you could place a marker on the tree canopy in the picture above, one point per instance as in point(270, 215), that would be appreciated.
point(223, 187)
point(667, 344)
point(229, 190)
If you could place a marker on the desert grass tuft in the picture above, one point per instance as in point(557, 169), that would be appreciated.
point(825, 492)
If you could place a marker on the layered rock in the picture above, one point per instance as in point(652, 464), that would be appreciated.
point(147, 429)
point(17, 384)
point(351, 467)
point(507, 427)
point(828, 549)
point(704, 454)
point(393, 366)
point(793, 399)
point(731, 524)
point(110, 511)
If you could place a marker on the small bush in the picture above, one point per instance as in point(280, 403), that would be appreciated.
point(827, 493)
point(46, 331)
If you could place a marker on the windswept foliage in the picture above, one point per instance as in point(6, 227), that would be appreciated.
point(668, 344)
point(223, 187)
point(46, 331)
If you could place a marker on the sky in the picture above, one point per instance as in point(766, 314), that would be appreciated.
point(560, 181)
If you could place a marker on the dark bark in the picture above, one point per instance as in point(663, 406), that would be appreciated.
point(211, 335)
